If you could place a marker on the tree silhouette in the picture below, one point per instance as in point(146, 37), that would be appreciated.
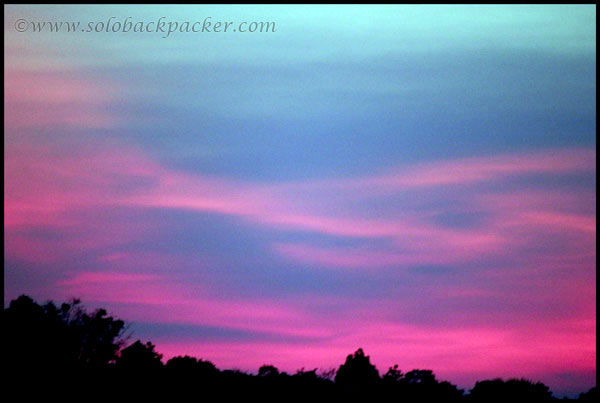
point(393, 376)
point(309, 384)
point(183, 371)
point(139, 357)
point(50, 338)
point(589, 396)
point(357, 371)
point(421, 377)
point(391, 382)
point(497, 390)
point(182, 364)
point(448, 392)
point(189, 365)
point(268, 371)
point(422, 384)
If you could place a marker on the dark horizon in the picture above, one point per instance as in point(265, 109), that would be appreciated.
point(25, 319)
point(44, 342)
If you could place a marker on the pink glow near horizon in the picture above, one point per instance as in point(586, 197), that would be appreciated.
point(462, 356)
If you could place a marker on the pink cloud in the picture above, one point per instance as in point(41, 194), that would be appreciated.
point(563, 222)
point(41, 99)
point(90, 179)
point(484, 169)
point(418, 245)
point(106, 277)
point(167, 299)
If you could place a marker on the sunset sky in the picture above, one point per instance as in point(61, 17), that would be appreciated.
point(418, 181)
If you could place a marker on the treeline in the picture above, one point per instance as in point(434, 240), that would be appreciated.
point(72, 351)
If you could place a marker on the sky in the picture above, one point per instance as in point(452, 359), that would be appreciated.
point(418, 181)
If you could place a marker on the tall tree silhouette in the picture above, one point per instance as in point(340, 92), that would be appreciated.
point(357, 372)
point(50, 338)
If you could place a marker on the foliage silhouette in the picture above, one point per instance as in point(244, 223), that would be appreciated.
point(497, 390)
point(74, 351)
point(47, 337)
point(186, 365)
point(357, 372)
point(268, 370)
point(393, 376)
point(589, 396)
point(139, 357)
